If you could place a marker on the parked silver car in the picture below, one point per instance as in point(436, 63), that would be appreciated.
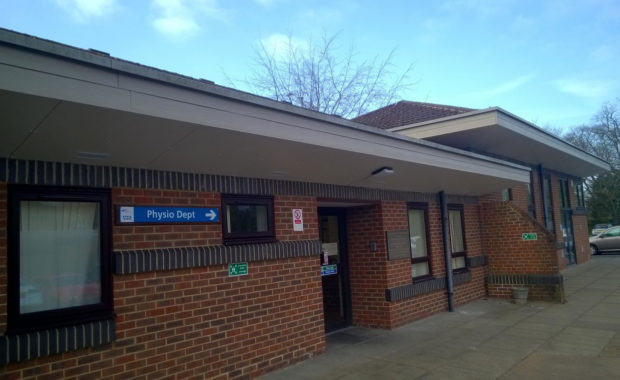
point(598, 228)
point(608, 240)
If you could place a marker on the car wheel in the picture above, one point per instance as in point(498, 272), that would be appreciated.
point(593, 250)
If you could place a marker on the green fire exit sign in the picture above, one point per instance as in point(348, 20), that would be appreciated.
point(529, 236)
point(237, 269)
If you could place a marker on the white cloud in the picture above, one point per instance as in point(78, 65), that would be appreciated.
point(265, 3)
point(506, 86)
point(279, 45)
point(83, 10)
point(585, 88)
point(182, 18)
point(483, 8)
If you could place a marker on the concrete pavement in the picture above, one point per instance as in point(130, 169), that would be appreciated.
point(490, 339)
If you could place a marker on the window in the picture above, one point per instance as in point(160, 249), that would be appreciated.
point(612, 232)
point(247, 219)
point(507, 194)
point(59, 259)
point(579, 197)
point(457, 237)
point(418, 237)
point(548, 206)
point(531, 207)
point(564, 194)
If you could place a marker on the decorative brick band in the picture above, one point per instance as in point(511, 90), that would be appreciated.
point(477, 261)
point(29, 172)
point(525, 279)
point(16, 348)
point(418, 288)
point(148, 260)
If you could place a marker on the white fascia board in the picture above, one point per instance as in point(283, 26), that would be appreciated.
point(517, 124)
point(24, 73)
point(496, 116)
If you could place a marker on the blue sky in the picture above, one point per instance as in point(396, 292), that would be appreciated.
point(550, 62)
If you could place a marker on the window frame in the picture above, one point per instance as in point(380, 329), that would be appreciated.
point(565, 203)
point(580, 199)
point(46, 319)
point(416, 260)
point(531, 199)
point(463, 254)
point(232, 238)
point(548, 202)
point(506, 194)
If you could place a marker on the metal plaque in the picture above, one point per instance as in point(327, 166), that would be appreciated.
point(398, 244)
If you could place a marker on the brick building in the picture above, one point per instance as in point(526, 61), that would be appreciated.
point(154, 225)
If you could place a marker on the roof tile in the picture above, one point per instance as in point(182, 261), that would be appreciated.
point(407, 112)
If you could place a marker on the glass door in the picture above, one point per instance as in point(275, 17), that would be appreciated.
point(567, 223)
point(334, 269)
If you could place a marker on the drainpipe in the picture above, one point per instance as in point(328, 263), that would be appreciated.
point(446, 250)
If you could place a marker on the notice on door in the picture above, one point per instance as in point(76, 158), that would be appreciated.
point(298, 219)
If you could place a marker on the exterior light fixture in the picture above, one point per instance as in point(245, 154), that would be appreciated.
point(383, 171)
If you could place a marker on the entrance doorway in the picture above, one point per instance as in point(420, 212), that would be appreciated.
point(567, 223)
point(334, 268)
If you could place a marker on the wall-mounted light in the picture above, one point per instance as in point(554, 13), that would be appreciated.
point(383, 171)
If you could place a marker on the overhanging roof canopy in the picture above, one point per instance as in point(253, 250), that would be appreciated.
point(59, 103)
point(497, 132)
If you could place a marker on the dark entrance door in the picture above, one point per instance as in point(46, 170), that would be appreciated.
point(567, 223)
point(334, 269)
point(569, 240)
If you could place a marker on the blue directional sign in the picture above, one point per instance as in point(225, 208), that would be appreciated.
point(148, 214)
point(328, 270)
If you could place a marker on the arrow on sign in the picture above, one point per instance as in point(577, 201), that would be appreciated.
point(211, 214)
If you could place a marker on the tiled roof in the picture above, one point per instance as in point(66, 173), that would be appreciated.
point(406, 112)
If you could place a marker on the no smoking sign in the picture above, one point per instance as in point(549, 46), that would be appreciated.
point(298, 219)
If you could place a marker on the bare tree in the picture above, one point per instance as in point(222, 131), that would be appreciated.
point(602, 138)
point(313, 76)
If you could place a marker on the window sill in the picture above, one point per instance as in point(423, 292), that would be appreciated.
point(28, 346)
point(427, 277)
point(254, 240)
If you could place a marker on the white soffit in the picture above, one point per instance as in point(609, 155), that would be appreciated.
point(505, 135)
point(52, 108)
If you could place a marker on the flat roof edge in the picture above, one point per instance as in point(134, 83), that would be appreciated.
point(105, 61)
point(598, 161)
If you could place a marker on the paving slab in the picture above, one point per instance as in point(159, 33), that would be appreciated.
point(489, 339)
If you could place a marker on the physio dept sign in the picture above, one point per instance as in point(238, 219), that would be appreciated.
point(151, 214)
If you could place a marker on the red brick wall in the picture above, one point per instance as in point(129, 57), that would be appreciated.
point(201, 323)
point(519, 196)
point(503, 226)
point(395, 217)
point(368, 272)
point(196, 322)
point(283, 206)
point(582, 236)
point(372, 272)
